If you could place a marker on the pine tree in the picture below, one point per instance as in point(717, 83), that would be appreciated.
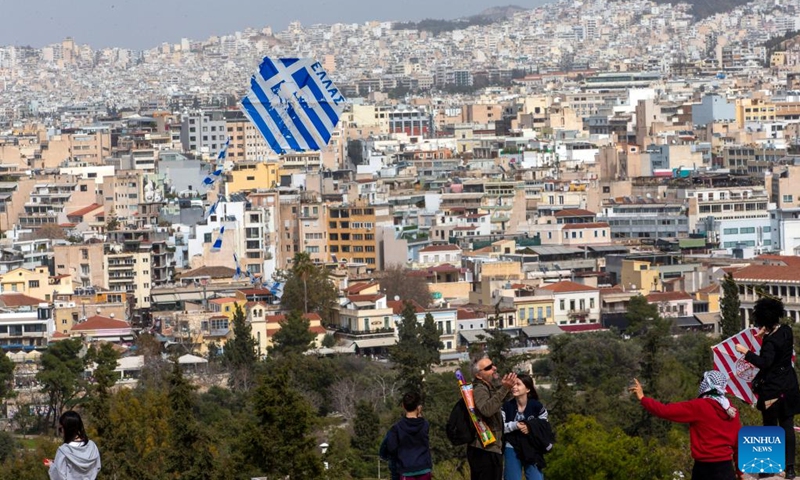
point(730, 305)
point(240, 352)
point(103, 380)
point(365, 435)
point(6, 375)
point(279, 441)
point(417, 349)
point(294, 337)
point(61, 374)
point(188, 456)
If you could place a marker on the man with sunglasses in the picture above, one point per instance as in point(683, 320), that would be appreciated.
point(489, 392)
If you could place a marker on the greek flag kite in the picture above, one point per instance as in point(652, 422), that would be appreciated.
point(293, 103)
point(218, 242)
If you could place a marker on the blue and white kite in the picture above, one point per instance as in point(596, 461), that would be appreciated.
point(218, 242)
point(294, 104)
point(238, 274)
point(219, 168)
point(212, 209)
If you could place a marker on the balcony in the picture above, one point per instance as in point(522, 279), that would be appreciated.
point(578, 313)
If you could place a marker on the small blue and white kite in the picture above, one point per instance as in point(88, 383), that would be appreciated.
point(218, 242)
point(212, 209)
point(294, 104)
point(216, 174)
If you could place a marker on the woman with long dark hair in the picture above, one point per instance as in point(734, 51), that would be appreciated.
point(519, 453)
point(77, 458)
point(776, 381)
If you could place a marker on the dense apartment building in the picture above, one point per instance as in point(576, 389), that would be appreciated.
point(353, 232)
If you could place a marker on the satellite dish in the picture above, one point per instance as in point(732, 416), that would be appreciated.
point(396, 298)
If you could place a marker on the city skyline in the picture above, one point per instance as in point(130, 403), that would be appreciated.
point(135, 26)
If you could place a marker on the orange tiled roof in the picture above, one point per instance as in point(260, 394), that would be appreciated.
point(99, 322)
point(18, 300)
point(656, 297)
point(568, 286)
point(398, 305)
point(578, 226)
point(768, 273)
point(83, 211)
point(574, 212)
point(440, 248)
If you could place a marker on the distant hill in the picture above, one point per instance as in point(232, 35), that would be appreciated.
point(706, 8)
point(486, 17)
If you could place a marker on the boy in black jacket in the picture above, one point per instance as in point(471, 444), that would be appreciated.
point(407, 442)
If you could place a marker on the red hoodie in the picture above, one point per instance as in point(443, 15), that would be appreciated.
point(713, 433)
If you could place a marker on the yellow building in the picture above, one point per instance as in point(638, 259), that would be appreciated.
point(531, 309)
point(638, 275)
point(248, 176)
point(710, 294)
point(35, 283)
point(754, 110)
point(225, 306)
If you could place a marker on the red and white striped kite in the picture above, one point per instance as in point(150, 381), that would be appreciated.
point(732, 363)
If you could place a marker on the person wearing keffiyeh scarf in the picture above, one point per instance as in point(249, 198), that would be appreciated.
point(713, 386)
point(713, 425)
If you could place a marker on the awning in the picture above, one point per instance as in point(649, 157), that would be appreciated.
point(187, 359)
point(608, 248)
point(376, 342)
point(130, 363)
point(555, 250)
point(471, 336)
point(687, 322)
point(541, 331)
point(708, 318)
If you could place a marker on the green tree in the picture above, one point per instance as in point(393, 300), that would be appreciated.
point(307, 288)
point(294, 336)
point(188, 456)
point(278, 442)
point(498, 346)
point(395, 282)
point(639, 313)
point(103, 379)
point(240, 352)
point(730, 306)
point(328, 341)
point(60, 375)
point(586, 449)
point(417, 349)
point(113, 223)
point(365, 435)
point(6, 376)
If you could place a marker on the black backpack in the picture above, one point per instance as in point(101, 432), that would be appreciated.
point(459, 428)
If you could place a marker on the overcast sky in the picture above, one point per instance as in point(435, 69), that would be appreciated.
point(142, 24)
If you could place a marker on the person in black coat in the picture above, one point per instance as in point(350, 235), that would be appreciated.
point(776, 382)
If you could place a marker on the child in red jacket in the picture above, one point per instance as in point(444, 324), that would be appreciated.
point(713, 425)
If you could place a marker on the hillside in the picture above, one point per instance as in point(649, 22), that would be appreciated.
point(486, 17)
point(707, 8)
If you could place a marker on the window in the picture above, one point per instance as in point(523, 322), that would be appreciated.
point(561, 304)
point(84, 254)
point(787, 199)
point(548, 311)
point(84, 269)
point(747, 230)
point(33, 283)
point(730, 231)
